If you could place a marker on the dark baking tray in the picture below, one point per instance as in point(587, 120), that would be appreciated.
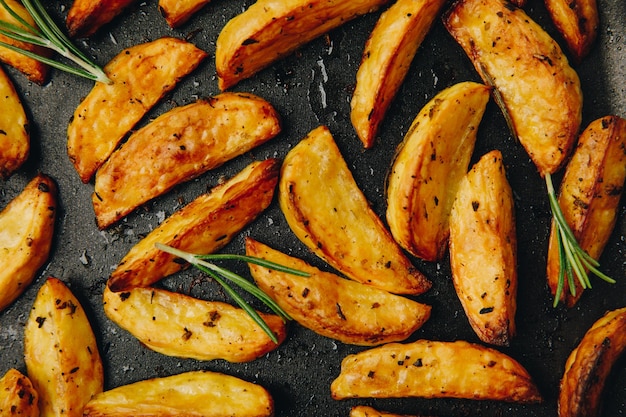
point(309, 88)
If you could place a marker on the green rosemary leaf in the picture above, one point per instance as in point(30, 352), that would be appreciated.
point(257, 261)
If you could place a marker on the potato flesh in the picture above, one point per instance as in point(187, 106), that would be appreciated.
point(539, 90)
point(269, 30)
point(335, 307)
point(203, 226)
point(140, 76)
point(17, 395)
point(178, 146)
point(178, 325)
point(86, 17)
point(26, 231)
point(432, 369)
point(386, 59)
point(429, 163)
point(590, 195)
point(178, 12)
point(577, 21)
point(61, 353)
point(327, 211)
point(14, 137)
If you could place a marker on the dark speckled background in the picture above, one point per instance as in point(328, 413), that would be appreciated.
point(310, 88)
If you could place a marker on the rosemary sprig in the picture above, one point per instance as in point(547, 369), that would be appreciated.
point(573, 259)
point(220, 275)
point(48, 35)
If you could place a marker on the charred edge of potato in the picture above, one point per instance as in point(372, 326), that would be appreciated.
point(86, 17)
point(177, 12)
point(14, 135)
point(18, 396)
point(577, 21)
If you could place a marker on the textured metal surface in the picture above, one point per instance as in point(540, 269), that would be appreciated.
point(310, 88)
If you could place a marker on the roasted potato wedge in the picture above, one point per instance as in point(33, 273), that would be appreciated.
point(26, 230)
point(34, 70)
point(365, 411)
point(178, 146)
point(335, 307)
point(179, 325)
point(203, 226)
point(60, 352)
point(328, 212)
point(178, 12)
point(483, 250)
point(535, 86)
point(432, 369)
point(577, 21)
point(17, 395)
point(386, 59)
point(86, 17)
point(590, 195)
point(428, 166)
point(195, 393)
point(140, 76)
point(14, 136)
point(589, 365)
point(268, 30)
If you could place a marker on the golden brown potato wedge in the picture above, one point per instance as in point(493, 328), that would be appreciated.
point(365, 411)
point(178, 12)
point(386, 59)
point(268, 30)
point(17, 395)
point(34, 70)
point(429, 164)
point(483, 250)
point(335, 307)
point(178, 146)
point(535, 85)
point(195, 393)
point(577, 21)
point(140, 76)
point(432, 369)
point(14, 136)
point(203, 226)
point(26, 230)
point(589, 365)
point(60, 352)
point(328, 212)
point(179, 325)
point(85, 17)
point(590, 195)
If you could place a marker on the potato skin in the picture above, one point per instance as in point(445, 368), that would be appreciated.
point(335, 307)
point(203, 226)
point(428, 165)
point(589, 365)
point(179, 325)
point(27, 225)
point(328, 212)
point(178, 146)
point(61, 353)
point(590, 194)
point(386, 59)
point(269, 30)
point(86, 17)
point(140, 76)
point(577, 21)
point(178, 12)
point(15, 139)
point(17, 395)
point(539, 90)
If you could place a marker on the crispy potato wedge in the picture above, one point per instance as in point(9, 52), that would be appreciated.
point(589, 365)
point(483, 250)
point(335, 307)
point(14, 136)
point(86, 17)
point(577, 21)
point(140, 76)
point(590, 195)
point(203, 226)
point(60, 352)
point(269, 30)
point(428, 166)
point(431, 369)
point(365, 411)
point(388, 54)
point(195, 393)
point(328, 212)
point(178, 146)
point(179, 325)
point(178, 12)
point(34, 70)
point(535, 86)
point(26, 230)
point(17, 395)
